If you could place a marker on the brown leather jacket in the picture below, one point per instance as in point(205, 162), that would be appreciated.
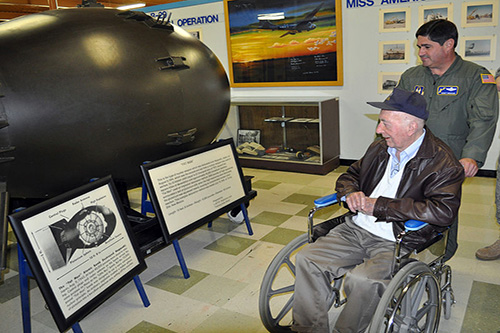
point(429, 191)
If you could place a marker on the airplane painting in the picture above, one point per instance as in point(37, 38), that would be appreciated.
point(281, 42)
point(305, 24)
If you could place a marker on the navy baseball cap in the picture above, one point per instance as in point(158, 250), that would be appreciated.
point(404, 101)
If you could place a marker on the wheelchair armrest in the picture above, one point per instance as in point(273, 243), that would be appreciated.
point(326, 201)
point(413, 225)
point(410, 225)
point(320, 203)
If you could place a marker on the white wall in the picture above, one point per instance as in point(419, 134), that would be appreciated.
point(361, 38)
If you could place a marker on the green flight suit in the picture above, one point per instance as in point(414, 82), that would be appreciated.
point(463, 111)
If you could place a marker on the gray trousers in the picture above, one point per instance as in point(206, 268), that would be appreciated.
point(366, 261)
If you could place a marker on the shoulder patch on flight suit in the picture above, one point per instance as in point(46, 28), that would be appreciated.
point(419, 89)
point(447, 90)
point(487, 78)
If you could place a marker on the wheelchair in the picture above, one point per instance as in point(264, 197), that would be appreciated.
point(419, 289)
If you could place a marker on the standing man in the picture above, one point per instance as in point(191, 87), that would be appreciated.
point(492, 252)
point(461, 99)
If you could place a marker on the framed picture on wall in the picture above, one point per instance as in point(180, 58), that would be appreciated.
point(284, 43)
point(435, 12)
point(480, 13)
point(478, 48)
point(387, 81)
point(391, 20)
point(80, 248)
point(394, 52)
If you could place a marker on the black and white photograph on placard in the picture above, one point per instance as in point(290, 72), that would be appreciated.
point(80, 249)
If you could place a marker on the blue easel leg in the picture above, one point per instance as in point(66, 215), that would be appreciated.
point(76, 328)
point(247, 220)
point(23, 283)
point(180, 257)
point(142, 292)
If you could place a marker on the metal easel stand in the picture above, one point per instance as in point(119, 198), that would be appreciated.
point(25, 273)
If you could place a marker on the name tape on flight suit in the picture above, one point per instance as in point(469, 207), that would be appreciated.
point(447, 90)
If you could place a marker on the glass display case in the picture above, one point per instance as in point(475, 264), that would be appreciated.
point(288, 133)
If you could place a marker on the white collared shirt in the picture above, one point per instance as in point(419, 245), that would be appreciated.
point(388, 187)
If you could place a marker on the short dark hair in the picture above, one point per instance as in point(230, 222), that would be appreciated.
point(439, 31)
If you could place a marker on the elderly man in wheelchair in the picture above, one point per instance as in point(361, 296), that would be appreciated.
point(408, 175)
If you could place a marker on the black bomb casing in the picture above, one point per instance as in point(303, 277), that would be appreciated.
point(88, 92)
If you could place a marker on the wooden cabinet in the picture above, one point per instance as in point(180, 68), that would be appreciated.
point(297, 134)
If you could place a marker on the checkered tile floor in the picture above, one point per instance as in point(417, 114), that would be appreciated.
point(226, 266)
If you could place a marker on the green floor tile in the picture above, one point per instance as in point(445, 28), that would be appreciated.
point(324, 213)
point(230, 244)
point(281, 236)
point(173, 280)
point(221, 225)
point(147, 327)
point(270, 218)
point(264, 184)
point(483, 309)
point(316, 191)
point(303, 199)
point(11, 237)
point(308, 200)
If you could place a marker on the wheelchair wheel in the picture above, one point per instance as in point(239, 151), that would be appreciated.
point(447, 291)
point(276, 290)
point(447, 303)
point(411, 303)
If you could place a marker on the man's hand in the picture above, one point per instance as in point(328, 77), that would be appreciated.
point(470, 166)
point(359, 202)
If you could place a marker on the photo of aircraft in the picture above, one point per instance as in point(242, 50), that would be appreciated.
point(306, 24)
point(480, 14)
point(477, 48)
point(435, 14)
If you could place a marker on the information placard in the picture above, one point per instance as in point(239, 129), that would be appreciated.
point(79, 248)
point(190, 189)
